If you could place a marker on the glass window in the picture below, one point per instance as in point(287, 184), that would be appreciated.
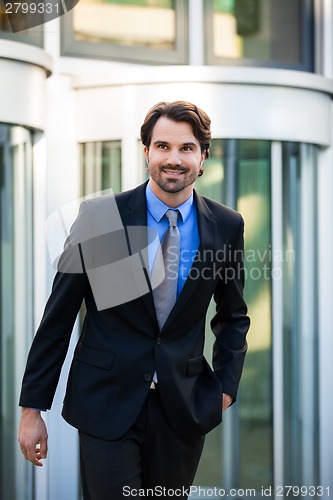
point(125, 22)
point(16, 301)
point(144, 30)
point(239, 453)
point(100, 166)
point(33, 36)
point(256, 412)
point(300, 314)
point(238, 174)
point(270, 33)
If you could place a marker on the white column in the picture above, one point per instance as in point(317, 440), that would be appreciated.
point(40, 268)
point(59, 478)
point(132, 170)
point(325, 294)
point(307, 317)
point(277, 311)
point(23, 283)
point(196, 32)
point(325, 270)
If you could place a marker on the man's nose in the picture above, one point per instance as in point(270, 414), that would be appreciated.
point(174, 157)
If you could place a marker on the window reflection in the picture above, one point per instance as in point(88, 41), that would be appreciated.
point(255, 409)
point(300, 306)
point(4, 21)
point(238, 454)
point(100, 166)
point(143, 23)
point(33, 36)
point(267, 31)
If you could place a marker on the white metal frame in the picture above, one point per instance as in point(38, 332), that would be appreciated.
point(325, 294)
point(277, 312)
point(308, 313)
point(23, 278)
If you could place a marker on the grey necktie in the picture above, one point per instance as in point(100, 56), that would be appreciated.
point(165, 294)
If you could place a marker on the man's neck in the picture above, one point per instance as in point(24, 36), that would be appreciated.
point(172, 200)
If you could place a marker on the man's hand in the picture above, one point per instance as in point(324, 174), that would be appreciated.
point(227, 400)
point(33, 436)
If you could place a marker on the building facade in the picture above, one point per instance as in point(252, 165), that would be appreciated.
point(74, 94)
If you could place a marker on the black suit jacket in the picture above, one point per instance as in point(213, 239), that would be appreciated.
point(120, 347)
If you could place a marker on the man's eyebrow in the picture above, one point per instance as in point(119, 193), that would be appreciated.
point(189, 143)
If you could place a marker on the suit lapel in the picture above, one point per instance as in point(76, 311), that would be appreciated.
point(135, 222)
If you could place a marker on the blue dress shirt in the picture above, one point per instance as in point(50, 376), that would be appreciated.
point(188, 228)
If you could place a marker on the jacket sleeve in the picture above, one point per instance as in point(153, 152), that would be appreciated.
point(231, 323)
point(50, 344)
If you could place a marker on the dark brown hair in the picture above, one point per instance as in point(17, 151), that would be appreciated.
point(179, 111)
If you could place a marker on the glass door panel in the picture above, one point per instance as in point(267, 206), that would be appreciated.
point(238, 454)
point(255, 408)
point(16, 301)
point(300, 315)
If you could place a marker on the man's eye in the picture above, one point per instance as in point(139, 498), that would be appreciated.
point(187, 148)
point(161, 146)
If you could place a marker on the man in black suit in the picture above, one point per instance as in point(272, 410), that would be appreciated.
point(140, 391)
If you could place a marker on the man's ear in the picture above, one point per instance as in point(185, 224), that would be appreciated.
point(203, 157)
point(146, 153)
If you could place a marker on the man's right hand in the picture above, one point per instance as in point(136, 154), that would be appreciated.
point(32, 436)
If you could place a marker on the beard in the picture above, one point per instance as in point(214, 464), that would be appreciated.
point(170, 184)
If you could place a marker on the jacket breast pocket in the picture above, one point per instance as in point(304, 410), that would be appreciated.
point(195, 365)
point(94, 357)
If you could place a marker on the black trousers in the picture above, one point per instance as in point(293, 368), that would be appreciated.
point(150, 460)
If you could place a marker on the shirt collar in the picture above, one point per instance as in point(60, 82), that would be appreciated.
point(157, 207)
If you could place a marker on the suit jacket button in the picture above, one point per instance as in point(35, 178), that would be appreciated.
point(147, 377)
point(158, 340)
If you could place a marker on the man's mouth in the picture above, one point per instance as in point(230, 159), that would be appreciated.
point(173, 172)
